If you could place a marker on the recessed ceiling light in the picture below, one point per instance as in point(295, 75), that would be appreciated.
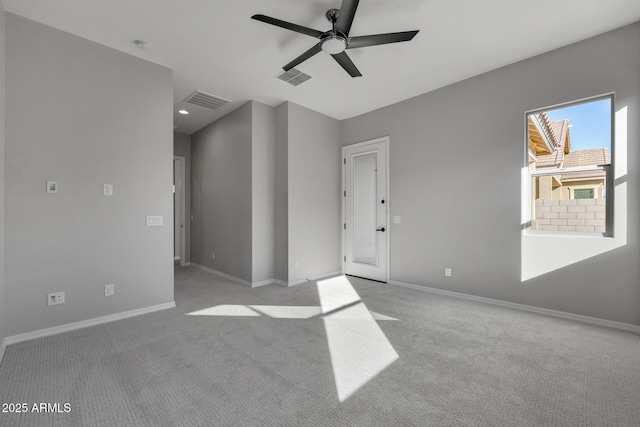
point(183, 112)
point(142, 45)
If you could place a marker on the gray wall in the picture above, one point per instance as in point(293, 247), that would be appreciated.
point(263, 191)
point(464, 144)
point(221, 185)
point(2, 173)
point(281, 241)
point(266, 192)
point(182, 148)
point(314, 186)
point(84, 115)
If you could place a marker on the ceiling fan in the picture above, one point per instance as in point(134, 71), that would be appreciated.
point(336, 40)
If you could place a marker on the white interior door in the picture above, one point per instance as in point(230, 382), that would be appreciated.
point(365, 210)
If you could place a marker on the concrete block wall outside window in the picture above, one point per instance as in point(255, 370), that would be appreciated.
point(572, 215)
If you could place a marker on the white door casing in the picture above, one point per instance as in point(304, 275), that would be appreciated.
point(366, 209)
point(179, 209)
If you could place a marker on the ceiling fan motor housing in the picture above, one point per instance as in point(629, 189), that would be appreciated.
point(334, 42)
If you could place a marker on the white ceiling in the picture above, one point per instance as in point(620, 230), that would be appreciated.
point(214, 46)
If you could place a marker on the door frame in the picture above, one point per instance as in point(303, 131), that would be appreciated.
point(182, 208)
point(385, 141)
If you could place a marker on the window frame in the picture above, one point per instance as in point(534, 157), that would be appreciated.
point(608, 168)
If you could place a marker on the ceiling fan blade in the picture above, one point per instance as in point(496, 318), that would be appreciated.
point(343, 59)
point(376, 39)
point(300, 59)
point(345, 18)
point(288, 25)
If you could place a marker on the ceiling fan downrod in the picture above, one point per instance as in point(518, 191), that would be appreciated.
point(334, 42)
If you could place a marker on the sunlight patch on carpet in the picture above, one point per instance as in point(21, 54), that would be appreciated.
point(226, 310)
point(359, 349)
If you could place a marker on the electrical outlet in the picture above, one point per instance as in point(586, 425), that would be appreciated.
point(447, 272)
point(109, 290)
point(296, 264)
point(55, 298)
point(213, 255)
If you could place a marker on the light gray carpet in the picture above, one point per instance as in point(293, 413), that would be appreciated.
point(460, 364)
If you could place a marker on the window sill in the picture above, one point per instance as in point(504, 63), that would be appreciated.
point(565, 234)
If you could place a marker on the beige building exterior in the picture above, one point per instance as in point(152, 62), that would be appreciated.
point(564, 202)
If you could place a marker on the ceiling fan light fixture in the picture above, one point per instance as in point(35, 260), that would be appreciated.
point(334, 44)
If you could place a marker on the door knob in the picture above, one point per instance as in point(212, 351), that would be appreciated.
point(380, 229)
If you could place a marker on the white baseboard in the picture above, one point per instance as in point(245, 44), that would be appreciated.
point(221, 274)
point(313, 279)
point(562, 314)
point(86, 323)
point(263, 282)
point(233, 278)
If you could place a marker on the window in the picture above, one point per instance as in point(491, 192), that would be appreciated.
point(569, 163)
point(583, 193)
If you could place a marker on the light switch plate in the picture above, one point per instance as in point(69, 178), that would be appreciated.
point(55, 298)
point(397, 219)
point(107, 189)
point(109, 290)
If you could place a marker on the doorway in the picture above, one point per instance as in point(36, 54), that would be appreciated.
point(179, 252)
point(365, 208)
